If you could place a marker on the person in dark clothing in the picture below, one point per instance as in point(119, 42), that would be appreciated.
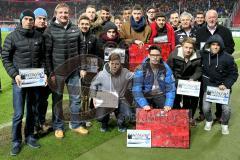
point(110, 38)
point(186, 29)
point(0, 56)
point(202, 35)
point(219, 70)
point(199, 20)
point(62, 43)
point(23, 49)
point(40, 117)
point(211, 28)
point(174, 20)
point(89, 50)
point(185, 63)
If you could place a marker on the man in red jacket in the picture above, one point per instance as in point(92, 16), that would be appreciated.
point(162, 31)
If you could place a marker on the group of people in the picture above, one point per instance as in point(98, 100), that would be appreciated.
point(200, 51)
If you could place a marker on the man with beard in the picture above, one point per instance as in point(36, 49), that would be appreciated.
point(174, 20)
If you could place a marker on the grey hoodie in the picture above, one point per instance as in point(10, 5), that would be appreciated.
point(105, 81)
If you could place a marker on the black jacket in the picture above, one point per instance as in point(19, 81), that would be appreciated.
point(22, 49)
point(89, 43)
point(181, 69)
point(218, 68)
point(180, 34)
point(61, 44)
point(0, 42)
point(203, 35)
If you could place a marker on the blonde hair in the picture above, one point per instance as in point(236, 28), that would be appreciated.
point(61, 5)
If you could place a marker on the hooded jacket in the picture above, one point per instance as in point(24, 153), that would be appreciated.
point(22, 49)
point(218, 69)
point(182, 69)
point(144, 79)
point(170, 33)
point(105, 81)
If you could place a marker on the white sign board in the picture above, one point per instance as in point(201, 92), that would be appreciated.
point(188, 88)
point(160, 39)
point(215, 95)
point(109, 51)
point(139, 138)
point(106, 99)
point(92, 64)
point(32, 77)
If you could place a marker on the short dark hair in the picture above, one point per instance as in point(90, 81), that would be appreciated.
point(160, 14)
point(114, 56)
point(137, 7)
point(154, 47)
point(83, 17)
point(151, 7)
point(118, 17)
point(126, 8)
point(105, 8)
point(200, 12)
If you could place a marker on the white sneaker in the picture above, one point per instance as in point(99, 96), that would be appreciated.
point(208, 126)
point(225, 129)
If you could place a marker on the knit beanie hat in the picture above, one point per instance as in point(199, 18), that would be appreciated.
point(26, 12)
point(109, 25)
point(40, 12)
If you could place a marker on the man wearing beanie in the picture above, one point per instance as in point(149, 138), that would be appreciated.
point(62, 43)
point(40, 19)
point(22, 49)
point(41, 108)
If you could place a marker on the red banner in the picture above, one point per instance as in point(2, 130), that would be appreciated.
point(137, 54)
point(169, 129)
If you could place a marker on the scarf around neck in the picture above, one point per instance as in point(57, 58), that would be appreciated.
point(138, 26)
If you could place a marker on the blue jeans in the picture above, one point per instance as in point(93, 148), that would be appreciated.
point(19, 97)
point(73, 87)
point(226, 111)
point(123, 113)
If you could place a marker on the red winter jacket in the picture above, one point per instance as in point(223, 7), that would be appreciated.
point(170, 34)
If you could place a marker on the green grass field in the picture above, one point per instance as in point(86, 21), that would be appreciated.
point(112, 145)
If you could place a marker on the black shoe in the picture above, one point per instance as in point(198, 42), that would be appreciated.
point(15, 149)
point(31, 142)
point(200, 118)
point(217, 120)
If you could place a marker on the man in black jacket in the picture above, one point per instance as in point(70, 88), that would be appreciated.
point(212, 28)
point(186, 29)
point(219, 70)
point(41, 110)
point(203, 34)
point(62, 43)
point(185, 63)
point(0, 56)
point(23, 49)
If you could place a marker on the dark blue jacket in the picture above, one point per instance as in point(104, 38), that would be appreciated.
point(144, 79)
point(218, 68)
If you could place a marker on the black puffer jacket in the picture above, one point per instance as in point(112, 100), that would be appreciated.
point(22, 49)
point(181, 69)
point(61, 44)
point(218, 68)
